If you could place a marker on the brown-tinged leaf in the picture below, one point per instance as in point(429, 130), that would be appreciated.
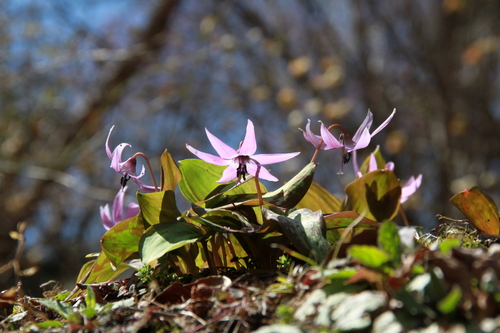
point(479, 208)
point(170, 173)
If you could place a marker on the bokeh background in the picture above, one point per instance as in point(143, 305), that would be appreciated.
point(163, 70)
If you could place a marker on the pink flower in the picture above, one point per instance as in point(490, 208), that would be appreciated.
point(242, 161)
point(109, 220)
point(127, 169)
point(360, 140)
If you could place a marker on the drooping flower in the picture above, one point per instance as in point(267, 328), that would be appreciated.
point(314, 139)
point(128, 168)
point(360, 140)
point(110, 219)
point(242, 161)
point(407, 189)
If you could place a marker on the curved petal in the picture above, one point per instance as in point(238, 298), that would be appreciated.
point(330, 141)
point(313, 138)
point(116, 157)
point(263, 173)
point(144, 187)
point(389, 166)
point(209, 158)
point(131, 211)
point(363, 141)
point(265, 159)
point(366, 124)
point(220, 147)
point(228, 174)
point(106, 217)
point(118, 205)
point(129, 167)
point(249, 145)
point(410, 187)
point(108, 151)
point(385, 123)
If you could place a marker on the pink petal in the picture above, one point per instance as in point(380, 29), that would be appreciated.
point(106, 217)
point(265, 159)
point(385, 123)
point(228, 175)
point(363, 140)
point(108, 151)
point(330, 141)
point(209, 158)
point(116, 157)
point(389, 166)
point(367, 123)
point(220, 147)
point(131, 211)
point(249, 146)
point(263, 173)
point(311, 137)
point(118, 205)
point(373, 163)
point(410, 187)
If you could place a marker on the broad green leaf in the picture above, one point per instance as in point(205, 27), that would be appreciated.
point(102, 270)
point(306, 231)
point(479, 208)
point(165, 237)
point(199, 185)
point(369, 255)
point(388, 240)
point(158, 207)
point(337, 222)
point(378, 157)
point(170, 173)
point(317, 198)
point(122, 240)
point(377, 195)
point(199, 178)
point(290, 194)
point(222, 220)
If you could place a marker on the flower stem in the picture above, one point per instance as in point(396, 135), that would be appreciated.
point(149, 168)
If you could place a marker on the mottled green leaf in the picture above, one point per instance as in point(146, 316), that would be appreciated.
point(306, 231)
point(122, 240)
point(101, 270)
point(317, 198)
point(479, 208)
point(377, 195)
point(388, 240)
point(158, 207)
point(170, 173)
point(450, 302)
point(165, 237)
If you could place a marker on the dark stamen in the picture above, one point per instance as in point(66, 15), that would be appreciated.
point(124, 180)
point(347, 157)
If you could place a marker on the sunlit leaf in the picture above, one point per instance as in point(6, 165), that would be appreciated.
point(369, 255)
point(164, 237)
point(122, 240)
point(290, 194)
point(170, 173)
point(479, 208)
point(101, 270)
point(158, 207)
point(388, 240)
point(377, 194)
point(317, 198)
